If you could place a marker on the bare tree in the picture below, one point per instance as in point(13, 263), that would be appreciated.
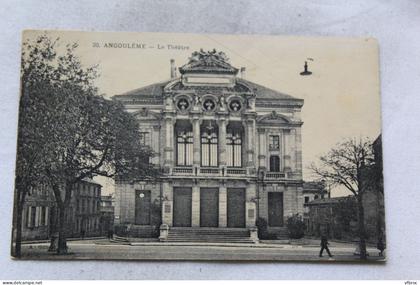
point(346, 165)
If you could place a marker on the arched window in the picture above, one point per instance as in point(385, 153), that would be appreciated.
point(184, 144)
point(234, 137)
point(274, 163)
point(209, 143)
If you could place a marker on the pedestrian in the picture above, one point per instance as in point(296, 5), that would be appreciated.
point(380, 246)
point(82, 234)
point(110, 234)
point(324, 245)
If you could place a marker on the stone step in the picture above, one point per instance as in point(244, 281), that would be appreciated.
point(212, 241)
point(209, 234)
point(215, 235)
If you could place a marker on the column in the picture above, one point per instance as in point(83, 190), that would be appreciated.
point(286, 150)
point(250, 138)
point(297, 158)
point(195, 207)
point(222, 206)
point(167, 203)
point(169, 148)
point(262, 146)
point(196, 142)
point(156, 144)
point(222, 141)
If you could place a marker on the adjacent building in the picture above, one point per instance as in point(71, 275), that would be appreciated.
point(83, 215)
point(373, 198)
point(39, 213)
point(85, 211)
point(338, 217)
point(313, 191)
point(230, 149)
point(107, 214)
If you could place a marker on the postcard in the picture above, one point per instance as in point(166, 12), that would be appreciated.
point(157, 146)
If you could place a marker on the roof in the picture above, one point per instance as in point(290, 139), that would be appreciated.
point(150, 91)
point(155, 91)
point(312, 186)
point(263, 92)
point(208, 62)
point(91, 181)
point(329, 201)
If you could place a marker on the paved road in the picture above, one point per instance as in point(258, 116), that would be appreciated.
point(92, 250)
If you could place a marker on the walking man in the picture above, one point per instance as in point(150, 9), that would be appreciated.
point(324, 245)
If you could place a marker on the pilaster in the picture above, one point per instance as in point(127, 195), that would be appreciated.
point(250, 207)
point(222, 206)
point(222, 141)
point(195, 207)
point(167, 204)
point(169, 140)
point(196, 141)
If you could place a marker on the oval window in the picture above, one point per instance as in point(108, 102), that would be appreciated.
point(209, 105)
point(235, 105)
point(183, 104)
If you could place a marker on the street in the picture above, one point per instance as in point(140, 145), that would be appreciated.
point(102, 249)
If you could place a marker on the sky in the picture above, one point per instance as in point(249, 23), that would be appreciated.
point(342, 97)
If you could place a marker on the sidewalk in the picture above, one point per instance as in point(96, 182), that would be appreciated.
point(194, 251)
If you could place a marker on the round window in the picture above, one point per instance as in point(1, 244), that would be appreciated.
point(183, 104)
point(209, 105)
point(141, 195)
point(235, 105)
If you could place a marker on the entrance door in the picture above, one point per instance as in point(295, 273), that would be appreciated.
point(142, 207)
point(275, 209)
point(209, 207)
point(182, 207)
point(236, 208)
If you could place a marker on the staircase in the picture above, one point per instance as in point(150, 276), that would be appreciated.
point(209, 235)
point(119, 240)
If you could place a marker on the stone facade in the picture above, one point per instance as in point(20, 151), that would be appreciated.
point(107, 214)
point(338, 216)
point(83, 214)
point(313, 191)
point(38, 214)
point(226, 145)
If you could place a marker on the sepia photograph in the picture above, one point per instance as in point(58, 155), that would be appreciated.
point(165, 146)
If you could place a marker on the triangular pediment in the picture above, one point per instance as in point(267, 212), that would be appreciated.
point(273, 117)
point(146, 114)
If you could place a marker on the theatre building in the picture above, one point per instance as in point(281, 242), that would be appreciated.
point(230, 150)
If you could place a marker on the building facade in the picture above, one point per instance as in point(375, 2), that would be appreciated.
point(335, 217)
point(338, 217)
point(107, 214)
point(82, 218)
point(38, 215)
point(85, 211)
point(313, 191)
point(230, 150)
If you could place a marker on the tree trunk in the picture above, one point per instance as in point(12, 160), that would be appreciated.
point(62, 241)
point(362, 232)
point(20, 200)
point(61, 220)
point(18, 237)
